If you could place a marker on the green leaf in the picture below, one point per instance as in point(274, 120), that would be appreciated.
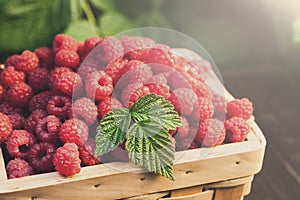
point(113, 22)
point(112, 130)
point(103, 4)
point(29, 24)
point(81, 30)
point(157, 110)
point(149, 146)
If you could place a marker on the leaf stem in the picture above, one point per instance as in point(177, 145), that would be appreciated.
point(89, 13)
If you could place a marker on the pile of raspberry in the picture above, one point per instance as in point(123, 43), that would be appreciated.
point(52, 98)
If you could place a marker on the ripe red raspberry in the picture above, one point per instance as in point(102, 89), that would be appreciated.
point(5, 127)
point(160, 54)
point(12, 60)
point(38, 80)
point(66, 160)
point(176, 80)
point(55, 74)
point(201, 89)
point(85, 70)
point(219, 103)
point(65, 82)
point(132, 93)
point(237, 129)
point(19, 95)
point(8, 109)
point(59, 106)
point(63, 41)
point(132, 45)
point(80, 50)
point(27, 62)
point(18, 168)
point(240, 108)
point(183, 130)
point(134, 71)
point(17, 121)
point(87, 157)
point(159, 79)
point(47, 129)
point(9, 76)
point(67, 58)
point(41, 157)
point(85, 109)
point(158, 89)
point(114, 68)
point(110, 49)
point(98, 85)
point(75, 131)
point(39, 101)
point(107, 105)
point(46, 57)
point(2, 93)
point(203, 110)
point(33, 119)
point(184, 143)
point(184, 100)
point(19, 143)
point(202, 65)
point(211, 132)
point(90, 43)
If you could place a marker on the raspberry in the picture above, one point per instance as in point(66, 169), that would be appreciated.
point(184, 143)
point(194, 145)
point(46, 57)
point(90, 43)
point(114, 68)
point(85, 109)
point(176, 80)
point(33, 119)
point(19, 95)
point(184, 100)
point(38, 80)
point(98, 85)
point(2, 93)
point(19, 143)
point(132, 93)
point(132, 45)
point(160, 54)
point(66, 160)
point(65, 82)
point(134, 71)
point(240, 108)
point(107, 105)
point(9, 76)
point(18, 168)
point(27, 62)
point(5, 127)
point(55, 74)
point(47, 129)
point(211, 132)
point(11, 61)
point(17, 121)
point(74, 131)
point(159, 79)
point(90, 145)
point(41, 157)
point(39, 101)
point(162, 90)
point(80, 50)
point(202, 65)
point(203, 110)
point(110, 49)
point(85, 70)
point(182, 131)
point(201, 89)
point(219, 103)
point(87, 158)
point(63, 41)
point(59, 106)
point(237, 129)
point(8, 109)
point(67, 58)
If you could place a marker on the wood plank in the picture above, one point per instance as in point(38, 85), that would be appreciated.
point(149, 196)
point(186, 191)
point(207, 195)
point(234, 193)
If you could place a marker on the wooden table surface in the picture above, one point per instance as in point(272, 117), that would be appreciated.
point(275, 92)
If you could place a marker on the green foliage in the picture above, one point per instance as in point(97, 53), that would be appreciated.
point(29, 24)
point(148, 142)
point(75, 28)
point(114, 22)
point(112, 130)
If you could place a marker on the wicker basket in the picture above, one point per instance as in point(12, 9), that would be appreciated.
point(226, 173)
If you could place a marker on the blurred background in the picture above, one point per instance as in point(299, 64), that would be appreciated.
point(255, 44)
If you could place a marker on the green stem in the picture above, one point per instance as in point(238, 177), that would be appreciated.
point(89, 13)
